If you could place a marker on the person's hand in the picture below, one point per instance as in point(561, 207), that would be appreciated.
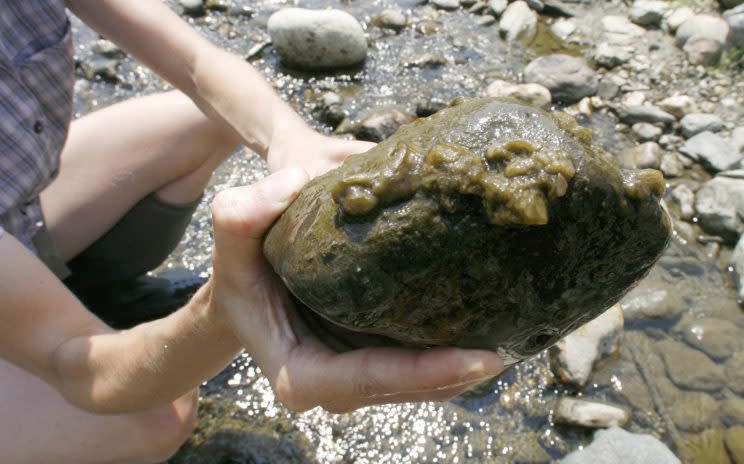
point(311, 151)
point(303, 372)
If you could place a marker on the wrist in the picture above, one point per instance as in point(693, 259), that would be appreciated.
point(209, 315)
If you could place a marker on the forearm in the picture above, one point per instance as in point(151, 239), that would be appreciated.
point(223, 85)
point(148, 365)
point(238, 94)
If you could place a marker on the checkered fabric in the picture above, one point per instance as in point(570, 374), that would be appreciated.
point(36, 84)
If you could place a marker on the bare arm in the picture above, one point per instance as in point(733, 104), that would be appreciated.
point(223, 85)
point(47, 331)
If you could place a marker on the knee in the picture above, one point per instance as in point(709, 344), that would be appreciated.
point(165, 429)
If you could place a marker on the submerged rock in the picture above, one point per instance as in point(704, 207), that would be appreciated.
point(592, 414)
point(617, 446)
point(490, 224)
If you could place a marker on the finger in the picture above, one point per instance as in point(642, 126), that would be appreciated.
point(241, 216)
point(361, 375)
point(438, 395)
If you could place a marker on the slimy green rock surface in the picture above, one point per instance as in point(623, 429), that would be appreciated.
point(490, 224)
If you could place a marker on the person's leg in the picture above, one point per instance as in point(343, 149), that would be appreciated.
point(39, 426)
point(115, 157)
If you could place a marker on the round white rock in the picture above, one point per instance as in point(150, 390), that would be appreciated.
point(317, 39)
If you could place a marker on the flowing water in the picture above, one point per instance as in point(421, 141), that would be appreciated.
point(510, 419)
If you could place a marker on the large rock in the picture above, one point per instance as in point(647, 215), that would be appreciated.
point(737, 139)
point(735, 20)
point(533, 94)
point(617, 446)
point(588, 413)
point(568, 78)
point(415, 240)
point(317, 39)
point(695, 123)
point(678, 360)
point(720, 206)
point(573, 357)
point(712, 151)
point(737, 263)
point(518, 22)
point(702, 25)
point(382, 124)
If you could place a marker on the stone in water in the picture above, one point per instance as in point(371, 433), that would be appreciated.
point(491, 224)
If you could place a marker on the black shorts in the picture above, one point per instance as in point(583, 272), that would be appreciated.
point(141, 240)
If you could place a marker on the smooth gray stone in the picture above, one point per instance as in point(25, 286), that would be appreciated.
point(695, 123)
point(712, 151)
point(317, 39)
point(720, 205)
point(702, 25)
point(617, 446)
point(568, 78)
point(644, 113)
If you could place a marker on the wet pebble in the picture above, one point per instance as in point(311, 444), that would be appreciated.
point(645, 156)
point(620, 31)
point(610, 56)
point(703, 50)
point(650, 302)
point(382, 125)
point(675, 17)
point(678, 358)
point(588, 413)
point(317, 39)
point(632, 114)
point(671, 165)
point(563, 28)
point(192, 7)
point(615, 445)
point(695, 123)
point(446, 4)
point(518, 22)
point(678, 105)
point(329, 109)
point(533, 94)
point(647, 12)
point(108, 49)
point(568, 78)
point(497, 7)
point(719, 203)
point(702, 25)
point(646, 132)
point(712, 151)
point(391, 19)
point(573, 357)
point(684, 197)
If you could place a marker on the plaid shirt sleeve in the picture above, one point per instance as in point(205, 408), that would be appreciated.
point(36, 82)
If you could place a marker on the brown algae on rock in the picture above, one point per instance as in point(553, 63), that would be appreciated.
point(490, 224)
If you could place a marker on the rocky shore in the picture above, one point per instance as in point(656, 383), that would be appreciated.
point(659, 83)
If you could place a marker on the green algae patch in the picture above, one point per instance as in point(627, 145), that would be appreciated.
point(491, 224)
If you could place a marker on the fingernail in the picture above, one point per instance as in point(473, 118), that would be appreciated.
point(283, 186)
point(477, 370)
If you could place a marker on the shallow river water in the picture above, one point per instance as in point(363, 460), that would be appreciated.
point(510, 419)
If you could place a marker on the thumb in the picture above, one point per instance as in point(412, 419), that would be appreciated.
point(241, 216)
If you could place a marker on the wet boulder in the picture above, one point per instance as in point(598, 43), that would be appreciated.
point(490, 224)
